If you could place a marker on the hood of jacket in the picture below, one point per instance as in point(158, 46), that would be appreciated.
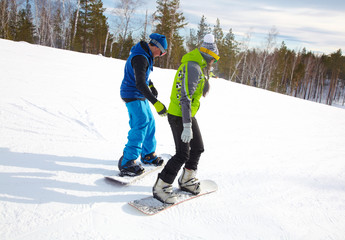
point(194, 56)
point(142, 48)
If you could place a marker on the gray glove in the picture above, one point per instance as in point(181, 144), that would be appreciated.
point(187, 133)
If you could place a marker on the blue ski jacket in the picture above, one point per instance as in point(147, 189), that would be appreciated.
point(128, 89)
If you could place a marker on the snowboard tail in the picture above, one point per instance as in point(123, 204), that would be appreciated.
point(152, 206)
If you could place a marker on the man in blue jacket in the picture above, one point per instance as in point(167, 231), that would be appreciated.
point(136, 90)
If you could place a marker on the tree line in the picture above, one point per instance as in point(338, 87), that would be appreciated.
point(81, 25)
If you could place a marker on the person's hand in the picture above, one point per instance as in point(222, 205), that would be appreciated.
point(187, 133)
point(153, 89)
point(160, 108)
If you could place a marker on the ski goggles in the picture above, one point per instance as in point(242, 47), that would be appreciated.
point(155, 42)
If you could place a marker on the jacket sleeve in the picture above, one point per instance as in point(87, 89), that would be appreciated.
point(140, 65)
point(189, 84)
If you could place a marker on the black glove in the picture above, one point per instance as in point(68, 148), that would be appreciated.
point(153, 89)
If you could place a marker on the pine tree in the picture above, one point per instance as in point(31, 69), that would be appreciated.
point(178, 51)
point(75, 39)
point(203, 29)
point(192, 40)
point(170, 20)
point(218, 32)
point(98, 27)
point(280, 69)
point(57, 29)
point(83, 30)
point(228, 52)
point(335, 69)
point(92, 27)
point(25, 27)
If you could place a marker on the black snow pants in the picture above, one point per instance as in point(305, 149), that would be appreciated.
point(187, 154)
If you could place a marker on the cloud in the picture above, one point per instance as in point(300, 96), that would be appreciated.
point(314, 24)
point(318, 27)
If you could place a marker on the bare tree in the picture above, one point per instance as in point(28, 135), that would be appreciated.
point(124, 10)
point(76, 22)
point(292, 75)
point(44, 22)
point(144, 32)
point(66, 14)
point(9, 18)
point(244, 46)
point(4, 18)
point(106, 44)
point(269, 44)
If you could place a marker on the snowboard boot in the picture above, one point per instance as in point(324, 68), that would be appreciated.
point(130, 168)
point(163, 192)
point(152, 159)
point(188, 182)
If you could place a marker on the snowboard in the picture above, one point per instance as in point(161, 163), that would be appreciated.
point(127, 180)
point(151, 206)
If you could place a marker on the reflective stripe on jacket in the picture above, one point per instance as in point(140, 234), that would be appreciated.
point(188, 86)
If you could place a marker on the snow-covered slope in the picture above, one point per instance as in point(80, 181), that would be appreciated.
point(279, 161)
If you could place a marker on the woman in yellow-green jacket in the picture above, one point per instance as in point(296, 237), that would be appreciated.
point(190, 83)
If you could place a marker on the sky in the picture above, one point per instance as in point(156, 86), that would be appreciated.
point(317, 25)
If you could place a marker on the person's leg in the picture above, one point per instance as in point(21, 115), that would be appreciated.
point(138, 121)
point(188, 181)
point(149, 143)
point(173, 166)
point(196, 147)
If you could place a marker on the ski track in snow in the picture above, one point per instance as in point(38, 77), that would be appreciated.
point(278, 161)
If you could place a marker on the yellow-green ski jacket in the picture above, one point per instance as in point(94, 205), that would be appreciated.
point(188, 86)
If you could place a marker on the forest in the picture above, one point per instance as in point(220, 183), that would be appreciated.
point(82, 25)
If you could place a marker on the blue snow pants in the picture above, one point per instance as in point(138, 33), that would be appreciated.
point(141, 136)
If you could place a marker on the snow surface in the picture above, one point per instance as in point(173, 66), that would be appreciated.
point(279, 161)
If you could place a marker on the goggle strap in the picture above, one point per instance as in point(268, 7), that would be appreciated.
point(154, 41)
point(209, 52)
